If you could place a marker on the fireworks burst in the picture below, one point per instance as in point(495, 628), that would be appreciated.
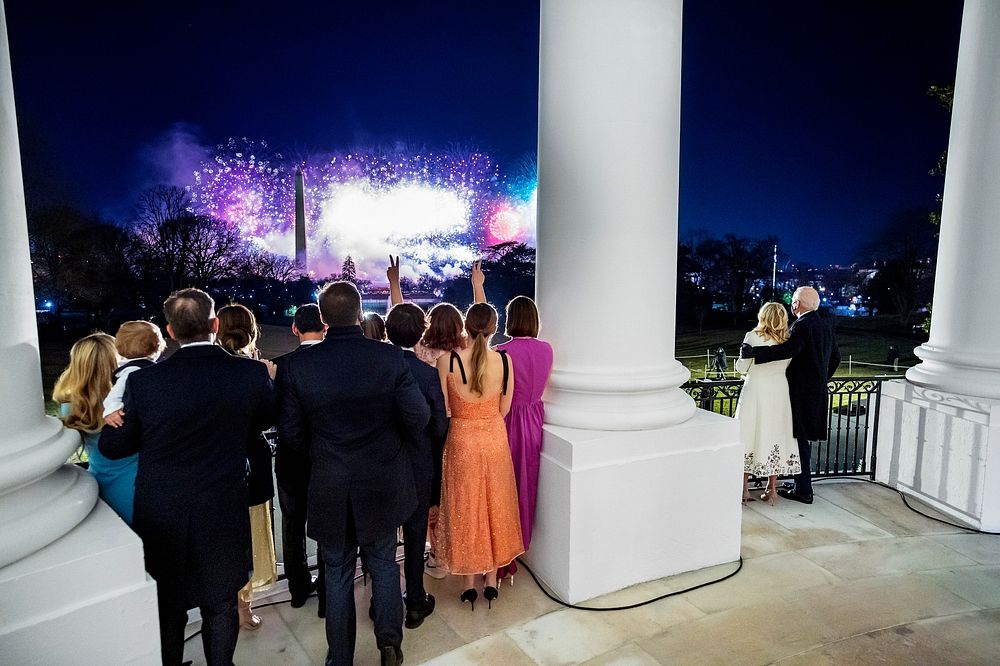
point(435, 209)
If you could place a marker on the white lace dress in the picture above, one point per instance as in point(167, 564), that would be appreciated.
point(765, 416)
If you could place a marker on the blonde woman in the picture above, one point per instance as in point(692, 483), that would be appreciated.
point(238, 333)
point(764, 410)
point(80, 392)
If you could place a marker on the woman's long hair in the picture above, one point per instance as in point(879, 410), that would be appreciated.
point(772, 322)
point(444, 330)
point(86, 381)
point(373, 326)
point(480, 324)
point(238, 331)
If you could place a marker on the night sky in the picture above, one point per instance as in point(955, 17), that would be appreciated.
point(806, 120)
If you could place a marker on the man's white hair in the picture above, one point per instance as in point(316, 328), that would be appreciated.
point(807, 297)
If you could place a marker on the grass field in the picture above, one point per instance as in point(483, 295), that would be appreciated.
point(863, 341)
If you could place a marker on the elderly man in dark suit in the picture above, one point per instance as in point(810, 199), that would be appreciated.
point(190, 419)
point(814, 355)
point(348, 403)
point(404, 326)
point(291, 470)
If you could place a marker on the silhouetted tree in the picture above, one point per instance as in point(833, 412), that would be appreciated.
point(903, 255)
point(730, 266)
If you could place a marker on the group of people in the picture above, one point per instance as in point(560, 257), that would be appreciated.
point(414, 422)
point(783, 403)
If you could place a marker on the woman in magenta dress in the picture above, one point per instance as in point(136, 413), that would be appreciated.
point(532, 361)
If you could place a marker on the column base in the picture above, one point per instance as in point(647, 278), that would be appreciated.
point(960, 372)
point(942, 448)
point(620, 508)
point(83, 599)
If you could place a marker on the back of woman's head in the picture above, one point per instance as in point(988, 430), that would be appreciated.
point(87, 380)
point(480, 325)
point(522, 318)
point(238, 330)
point(772, 322)
point(444, 331)
point(373, 326)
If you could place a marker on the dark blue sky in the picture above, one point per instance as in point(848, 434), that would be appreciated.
point(806, 120)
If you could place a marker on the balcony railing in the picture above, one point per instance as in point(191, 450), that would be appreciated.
point(852, 420)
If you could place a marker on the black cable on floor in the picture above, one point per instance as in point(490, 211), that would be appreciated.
point(630, 606)
point(902, 496)
point(739, 566)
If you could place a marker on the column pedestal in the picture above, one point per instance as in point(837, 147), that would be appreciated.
point(939, 435)
point(620, 508)
point(83, 599)
point(942, 448)
point(73, 589)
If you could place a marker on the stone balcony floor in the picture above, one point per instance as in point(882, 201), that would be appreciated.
point(854, 578)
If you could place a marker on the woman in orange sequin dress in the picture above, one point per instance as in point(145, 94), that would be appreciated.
point(478, 525)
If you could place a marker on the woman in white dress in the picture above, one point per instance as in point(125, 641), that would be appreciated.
point(764, 410)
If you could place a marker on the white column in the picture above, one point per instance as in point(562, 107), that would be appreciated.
point(72, 585)
point(963, 352)
point(939, 432)
point(608, 152)
point(40, 499)
point(626, 458)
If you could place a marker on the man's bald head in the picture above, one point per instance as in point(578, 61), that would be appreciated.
point(805, 299)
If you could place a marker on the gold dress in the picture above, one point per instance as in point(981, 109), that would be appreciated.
point(478, 527)
point(265, 571)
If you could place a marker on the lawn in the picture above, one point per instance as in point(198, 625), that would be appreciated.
point(862, 341)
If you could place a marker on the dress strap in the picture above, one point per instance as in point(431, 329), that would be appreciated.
point(506, 368)
point(461, 368)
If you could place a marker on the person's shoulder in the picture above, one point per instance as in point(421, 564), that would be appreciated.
point(420, 370)
point(383, 349)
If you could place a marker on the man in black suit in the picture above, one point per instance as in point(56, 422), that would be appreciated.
point(291, 469)
point(191, 417)
point(814, 355)
point(404, 326)
point(347, 403)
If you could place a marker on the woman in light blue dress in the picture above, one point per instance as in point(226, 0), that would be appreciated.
point(80, 392)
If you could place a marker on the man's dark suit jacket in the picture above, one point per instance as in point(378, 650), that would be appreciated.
point(190, 418)
point(291, 467)
point(427, 443)
point(347, 403)
point(815, 357)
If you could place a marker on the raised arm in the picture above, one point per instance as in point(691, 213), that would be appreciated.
point(395, 291)
point(478, 282)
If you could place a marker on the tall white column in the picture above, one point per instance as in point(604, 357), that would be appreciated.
point(963, 352)
point(939, 432)
point(608, 153)
point(40, 499)
point(625, 450)
point(73, 589)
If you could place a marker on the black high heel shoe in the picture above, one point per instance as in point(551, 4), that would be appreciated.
point(470, 595)
point(490, 593)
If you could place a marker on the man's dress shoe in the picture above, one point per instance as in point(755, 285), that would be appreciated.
point(792, 495)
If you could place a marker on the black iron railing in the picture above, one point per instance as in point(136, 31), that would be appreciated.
point(852, 420)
